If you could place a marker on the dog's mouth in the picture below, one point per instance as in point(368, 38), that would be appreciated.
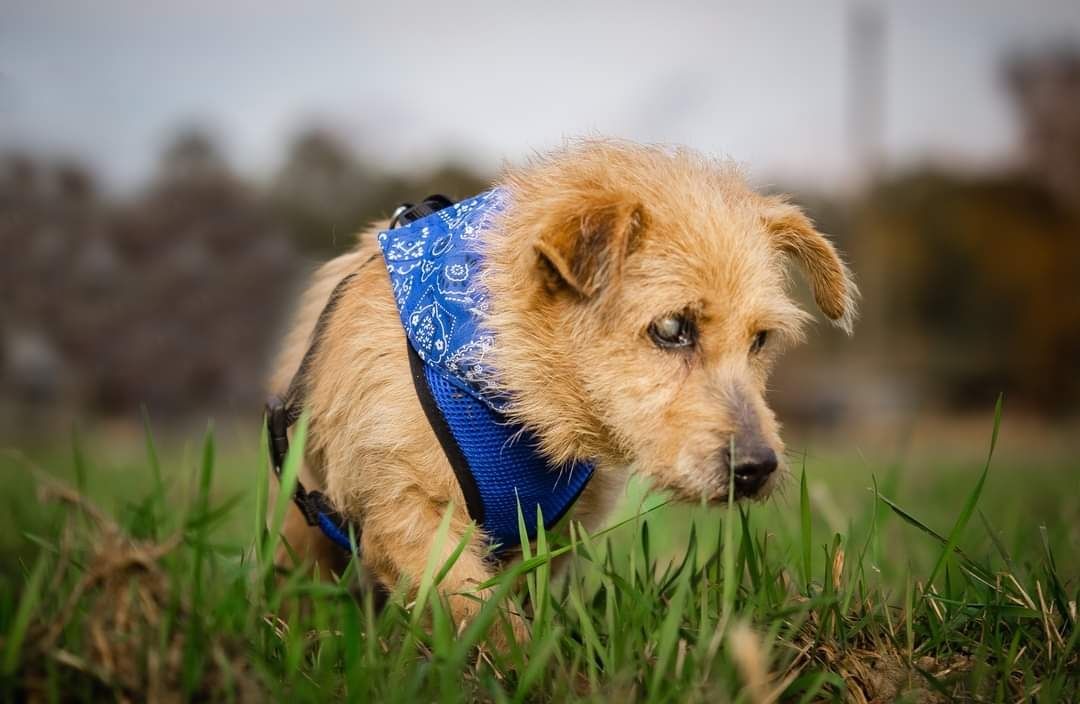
point(720, 498)
point(747, 487)
point(717, 495)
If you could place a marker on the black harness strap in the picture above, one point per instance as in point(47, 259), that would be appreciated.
point(442, 430)
point(283, 411)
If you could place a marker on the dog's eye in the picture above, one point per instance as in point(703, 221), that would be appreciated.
point(672, 331)
point(760, 339)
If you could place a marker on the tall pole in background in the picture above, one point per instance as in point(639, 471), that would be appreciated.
point(866, 94)
point(866, 87)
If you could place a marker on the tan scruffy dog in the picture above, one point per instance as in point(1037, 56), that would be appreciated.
point(639, 300)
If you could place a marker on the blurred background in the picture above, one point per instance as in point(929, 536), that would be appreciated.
point(169, 174)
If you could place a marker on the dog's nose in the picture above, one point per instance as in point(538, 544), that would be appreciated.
point(752, 469)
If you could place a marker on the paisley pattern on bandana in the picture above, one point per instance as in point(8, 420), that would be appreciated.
point(436, 270)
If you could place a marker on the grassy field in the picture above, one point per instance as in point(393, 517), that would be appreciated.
point(144, 577)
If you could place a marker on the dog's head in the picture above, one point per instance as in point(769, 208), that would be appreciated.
point(641, 301)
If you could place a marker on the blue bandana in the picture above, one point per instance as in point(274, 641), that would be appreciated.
point(436, 267)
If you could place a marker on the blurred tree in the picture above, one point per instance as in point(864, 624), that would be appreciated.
point(322, 193)
point(205, 274)
point(325, 195)
point(174, 298)
point(982, 279)
point(1045, 86)
point(51, 213)
point(192, 160)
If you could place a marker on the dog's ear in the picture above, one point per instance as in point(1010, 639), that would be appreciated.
point(793, 233)
point(585, 247)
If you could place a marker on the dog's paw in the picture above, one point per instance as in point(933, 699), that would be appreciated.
point(507, 630)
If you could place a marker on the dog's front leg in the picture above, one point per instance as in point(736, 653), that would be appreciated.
point(398, 542)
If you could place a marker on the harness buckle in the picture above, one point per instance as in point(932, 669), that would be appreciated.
point(410, 212)
point(399, 212)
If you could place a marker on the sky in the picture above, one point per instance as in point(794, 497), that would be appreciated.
point(411, 84)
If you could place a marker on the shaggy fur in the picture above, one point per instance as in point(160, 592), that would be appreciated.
point(602, 239)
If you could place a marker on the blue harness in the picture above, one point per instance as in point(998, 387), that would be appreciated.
point(436, 269)
point(435, 261)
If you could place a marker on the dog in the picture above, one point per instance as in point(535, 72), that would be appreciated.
point(630, 302)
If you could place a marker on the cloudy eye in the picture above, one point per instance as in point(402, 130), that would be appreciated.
point(760, 339)
point(673, 331)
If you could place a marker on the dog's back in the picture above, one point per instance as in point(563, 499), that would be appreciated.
point(314, 300)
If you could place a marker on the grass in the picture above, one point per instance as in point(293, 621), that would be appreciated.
point(966, 591)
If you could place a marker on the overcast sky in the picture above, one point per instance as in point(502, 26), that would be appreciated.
point(763, 82)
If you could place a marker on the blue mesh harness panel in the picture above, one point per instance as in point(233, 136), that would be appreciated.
point(505, 464)
point(436, 269)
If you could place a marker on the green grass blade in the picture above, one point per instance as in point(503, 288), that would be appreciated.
point(452, 559)
point(998, 545)
point(537, 664)
point(526, 566)
point(1057, 590)
point(970, 504)
point(28, 603)
point(290, 473)
point(807, 528)
point(972, 568)
point(427, 580)
point(479, 625)
point(199, 518)
point(262, 495)
point(151, 451)
point(669, 635)
point(728, 554)
point(543, 574)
